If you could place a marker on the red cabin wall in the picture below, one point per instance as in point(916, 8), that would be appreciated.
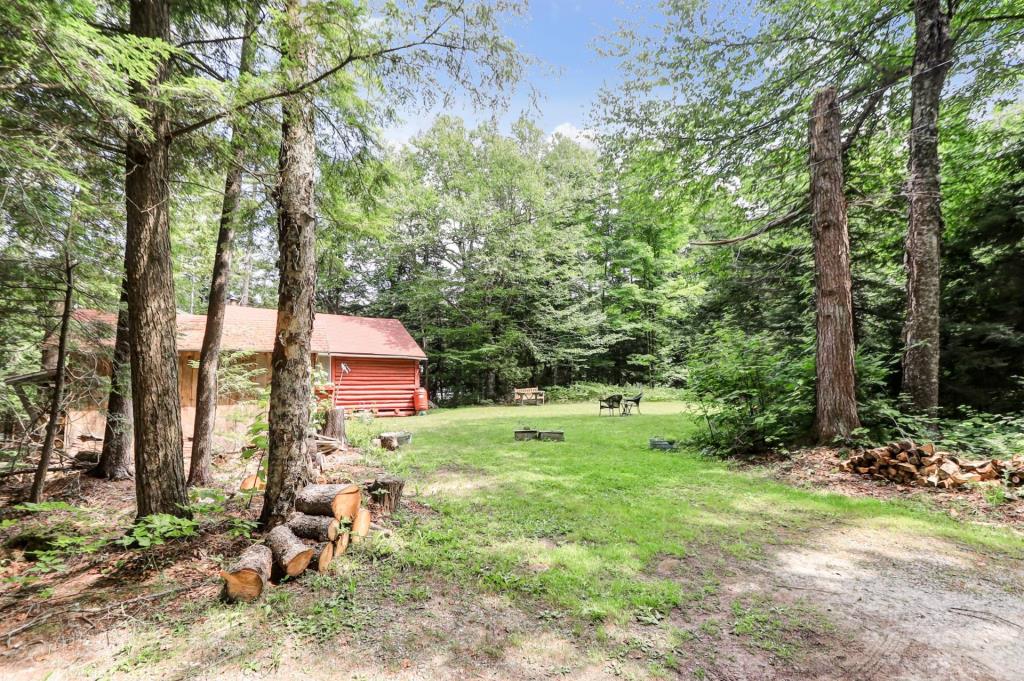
point(382, 385)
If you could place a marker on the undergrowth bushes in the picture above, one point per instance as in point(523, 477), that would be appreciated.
point(756, 394)
point(588, 392)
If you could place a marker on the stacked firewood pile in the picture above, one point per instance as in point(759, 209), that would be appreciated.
point(907, 463)
point(327, 518)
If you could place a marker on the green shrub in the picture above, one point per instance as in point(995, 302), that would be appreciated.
point(591, 392)
point(361, 429)
point(962, 430)
point(157, 529)
point(756, 392)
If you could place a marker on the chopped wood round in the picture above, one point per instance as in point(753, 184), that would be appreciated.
point(252, 482)
point(318, 527)
point(361, 526)
point(341, 545)
point(245, 580)
point(323, 554)
point(339, 501)
point(386, 491)
point(290, 554)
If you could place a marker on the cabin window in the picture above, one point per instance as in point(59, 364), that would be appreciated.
point(323, 368)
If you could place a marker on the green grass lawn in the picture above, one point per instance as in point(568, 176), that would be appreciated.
point(580, 525)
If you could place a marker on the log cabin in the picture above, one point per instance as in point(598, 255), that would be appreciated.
point(367, 363)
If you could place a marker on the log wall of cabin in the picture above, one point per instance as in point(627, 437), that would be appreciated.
point(383, 385)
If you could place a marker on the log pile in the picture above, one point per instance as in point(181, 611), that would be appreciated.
point(1015, 470)
point(326, 519)
point(907, 463)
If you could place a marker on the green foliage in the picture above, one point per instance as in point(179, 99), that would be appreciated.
point(241, 528)
point(362, 429)
point(207, 501)
point(755, 392)
point(237, 375)
point(583, 391)
point(157, 529)
point(967, 430)
point(45, 506)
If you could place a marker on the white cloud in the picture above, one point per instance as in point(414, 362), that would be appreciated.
point(584, 138)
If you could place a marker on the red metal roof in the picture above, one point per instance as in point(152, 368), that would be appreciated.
point(253, 328)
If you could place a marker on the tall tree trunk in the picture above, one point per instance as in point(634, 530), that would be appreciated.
point(836, 405)
point(159, 468)
point(199, 472)
point(36, 495)
point(116, 456)
point(288, 468)
point(924, 232)
point(243, 298)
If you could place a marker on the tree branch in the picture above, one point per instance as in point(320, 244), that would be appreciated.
point(781, 221)
point(426, 41)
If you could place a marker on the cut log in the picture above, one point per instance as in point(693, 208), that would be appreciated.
point(252, 482)
point(249, 575)
point(399, 437)
point(386, 491)
point(334, 426)
point(948, 469)
point(361, 526)
point(319, 527)
point(341, 545)
point(290, 554)
point(323, 554)
point(339, 501)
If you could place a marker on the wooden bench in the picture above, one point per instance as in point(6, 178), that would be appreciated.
point(528, 396)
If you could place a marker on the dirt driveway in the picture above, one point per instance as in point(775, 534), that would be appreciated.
point(885, 605)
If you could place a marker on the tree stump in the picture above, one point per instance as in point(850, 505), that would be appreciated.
point(250, 573)
point(319, 527)
point(290, 554)
point(339, 501)
point(334, 426)
point(386, 491)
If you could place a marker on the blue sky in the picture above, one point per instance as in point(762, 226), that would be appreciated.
point(561, 35)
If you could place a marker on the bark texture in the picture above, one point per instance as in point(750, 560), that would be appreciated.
point(291, 555)
point(199, 472)
point(159, 469)
point(924, 231)
point(249, 575)
point(36, 494)
point(288, 468)
point(836, 402)
point(334, 425)
point(116, 456)
point(337, 501)
point(319, 527)
point(386, 492)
